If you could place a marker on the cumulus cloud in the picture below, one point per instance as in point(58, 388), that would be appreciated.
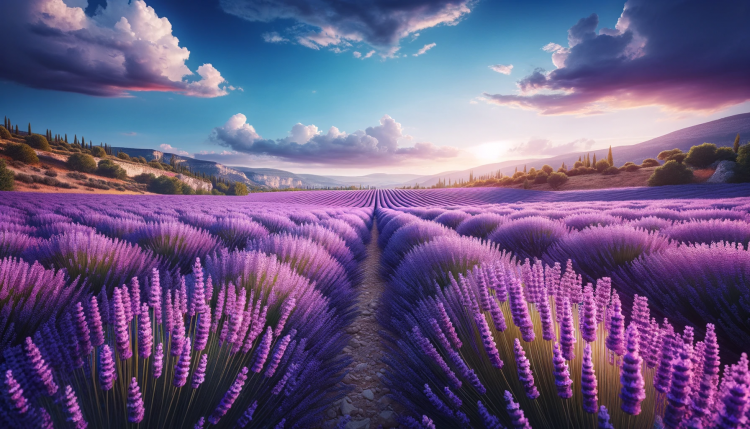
point(123, 47)
point(168, 148)
point(357, 54)
point(503, 69)
point(546, 147)
point(378, 23)
point(375, 146)
point(369, 54)
point(273, 37)
point(683, 55)
point(424, 49)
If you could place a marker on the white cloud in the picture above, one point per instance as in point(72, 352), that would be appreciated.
point(369, 54)
point(424, 49)
point(357, 54)
point(274, 37)
point(168, 148)
point(500, 68)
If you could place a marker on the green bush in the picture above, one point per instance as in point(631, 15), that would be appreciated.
point(123, 155)
point(725, 154)
point(742, 173)
point(611, 171)
point(630, 167)
point(577, 164)
point(701, 156)
point(650, 162)
point(50, 173)
point(222, 187)
point(542, 177)
point(165, 185)
point(671, 173)
point(666, 154)
point(216, 192)
point(107, 168)
point(187, 190)
point(602, 165)
point(156, 165)
point(145, 178)
point(99, 152)
point(25, 178)
point(81, 162)
point(141, 159)
point(239, 189)
point(547, 169)
point(6, 177)
point(678, 157)
point(38, 142)
point(77, 176)
point(556, 180)
point(5, 134)
point(22, 152)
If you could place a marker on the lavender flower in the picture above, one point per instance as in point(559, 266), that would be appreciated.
point(523, 367)
point(454, 400)
point(157, 365)
point(515, 412)
point(448, 326)
point(145, 335)
point(279, 353)
point(263, 349)
point(567, 332)
point(107, 372)
point(72, 410)
point(488, 340)
point(615, 339)
point(562, 375)
point(679, 393)
point(589, 316)
point(229, 397)
point(97, 331)
point(603, 419)
point(519, 309)
point(42, 374)
point(663, 376)
point(588, 382)
point(436, 402)
point(202, 330)
point(136, 410)
point(490, 421)
point(14, 393)
point(122, 338)
point(247, 416)
point(631, 379)
point(182, 367)
point(199, 375)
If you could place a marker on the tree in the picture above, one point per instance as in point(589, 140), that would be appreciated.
point(7, 177)
point(671, 173)
point(5, 134)
point(601, 165)
point(737, 143)
point(82, 162)
point(29, 132)
point(556, 180)
point(107, 168)
point(165, 185)
point(701, 156)
point(547, 169)
point(123, 155)
point(726, 154)
point(665, 154)
point(239, 189)
point(98, 152)
point(610, 160)
point(37, 141)
point(22, 152)
point(593, 162)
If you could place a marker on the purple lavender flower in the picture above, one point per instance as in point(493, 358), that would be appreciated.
point(72, 410)
point(429, 350)
point(454, 400)
point(704, 398)
point(498, 318)
point(178, 334)
point(247, 416)
point(82, 329)
point(198, 296)
point(545, 314)
point(14, 393)
point(202, 330)
point(286, 310)
point(157, 365)
point(640, 315)
point(567, 332)
point(287, 375)
point(71, 339)
point(562, 375)
point(229, 397)
point(436, 402)
point(519, 309)
point(589, 316)
point(122, 338)
point(679, 393)
point(615, 339)
point(631, 379)
point(448, 326)
point(488, 340)
point(145, 334)
point(199, 375)
point(490, 421)
point(182, 367)
point(136, 411)
point(467, 373)
point(735, 396)
point(279, 353)
point(107, 372)
point(663, 376)
point(518, 420)
point(97, 331)
point(126, 303)
point(135, 296)
point(41, 371)
point(523, 367)
point(603, 419)
point(603, 294)
point(263, 349)
point(201, 422)
point(588, 382)
point(154, 295)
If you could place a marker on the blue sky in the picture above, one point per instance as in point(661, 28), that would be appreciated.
point(436, 97)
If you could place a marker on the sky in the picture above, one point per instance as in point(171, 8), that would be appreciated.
point(351, 88)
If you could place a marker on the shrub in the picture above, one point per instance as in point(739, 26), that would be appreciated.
point(216, 192)
point(156, 165)
point(222, 187)
point(679, 157)
point(547, 169)
point(22, 152)
point(99, 152)
point(123, 155)
point(701, 156)
point(725, 154)
point(528, 237)
point(25, 178)
point(577, 164)
point(602, 165)
point(107, 168)
point(50, 173)
point(6, 177)
point(77, 176)
point(650, 162)
point(165, 185)
point(631, 167)
point(187, 190)
point(81, 162)
point(239, 189)
point(556, 180)
point(145, 178)
point(5, 134)
point(140, 159)
point(671, 173)
point(612, 170)
point(38, 142)
point(666, 154)
point(541, 177)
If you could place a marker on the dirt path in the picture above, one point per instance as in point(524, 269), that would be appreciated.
point(368, 404)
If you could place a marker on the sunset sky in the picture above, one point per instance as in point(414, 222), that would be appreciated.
point(355, 87)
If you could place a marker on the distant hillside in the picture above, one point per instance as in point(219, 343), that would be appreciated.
point(720, 132)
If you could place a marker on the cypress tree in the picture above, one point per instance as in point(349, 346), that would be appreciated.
point(66, 138)
point(610, 160)
point(524, 169)
point(593, 162)
point(16, 129)
point(29, 133)
point(737, 143)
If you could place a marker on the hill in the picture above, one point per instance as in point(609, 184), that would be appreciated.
point(720, 132)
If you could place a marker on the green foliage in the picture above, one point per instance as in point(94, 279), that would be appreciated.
point(5, 134)
point(165, 185)
point(630, 167)
point(107, 168)
point(547, 169)
point(542, 177)
point(25, 178)
point(22, 152)
point(671, 173)
point(123, 155)
point(526, 184)
point(556, 180)
point(650, 162)
point(156, 165)
point(99, 152)
point(145, 178)
point(665, 154)
point(81, 162)
point(701, 156)
point(222, 187)
point(7, 177)
point(602, 165)
point(742, 172)
point(239, 189)
point(735, 147)
point(38, 142)
point(678, 157)
point(578, 164)
point(187, 190)
point(140, 159)
point(216, 192)
point(611, 171)
point(726, 154)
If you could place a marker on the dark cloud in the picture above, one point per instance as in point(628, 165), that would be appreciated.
point(376, 146)
point(123, 47)
point(379, 23)
point(678, 54)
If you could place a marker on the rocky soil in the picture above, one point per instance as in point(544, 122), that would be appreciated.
point(368, 405)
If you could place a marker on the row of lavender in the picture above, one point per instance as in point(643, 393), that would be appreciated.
point(480, 339)
point(169, 312)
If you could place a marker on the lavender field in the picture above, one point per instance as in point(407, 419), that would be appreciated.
point(501, 308)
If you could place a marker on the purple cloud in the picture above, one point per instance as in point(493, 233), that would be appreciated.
point(123, 47)
point(378, 23)
point(375, 146)
point(502, 69)
point(684, 55)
